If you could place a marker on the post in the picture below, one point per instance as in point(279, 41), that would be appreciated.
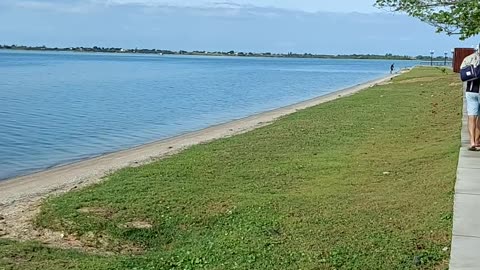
point(431, 57)
point(445, 62)
point(453, 58)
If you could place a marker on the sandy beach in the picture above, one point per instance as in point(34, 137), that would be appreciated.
point(20, 197)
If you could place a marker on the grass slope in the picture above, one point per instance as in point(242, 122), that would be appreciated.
point(364, 182)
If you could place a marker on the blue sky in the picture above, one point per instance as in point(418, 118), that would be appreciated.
point(316, 26)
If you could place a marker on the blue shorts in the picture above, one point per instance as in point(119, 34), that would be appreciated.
point(473, 103)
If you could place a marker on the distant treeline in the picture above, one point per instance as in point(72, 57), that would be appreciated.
point(229, 53)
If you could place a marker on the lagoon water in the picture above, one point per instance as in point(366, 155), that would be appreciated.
point(56, 108)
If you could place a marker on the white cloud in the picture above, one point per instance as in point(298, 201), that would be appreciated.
point(63, 6)
point(302, 5)
point(200, 7)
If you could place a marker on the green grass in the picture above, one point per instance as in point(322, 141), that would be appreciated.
point(310, 191)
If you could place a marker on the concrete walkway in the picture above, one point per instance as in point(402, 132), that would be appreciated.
point(465, 253)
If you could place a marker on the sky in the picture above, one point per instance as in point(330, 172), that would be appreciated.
point(281, 26)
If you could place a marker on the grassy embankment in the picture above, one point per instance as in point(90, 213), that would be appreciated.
point(363, 182)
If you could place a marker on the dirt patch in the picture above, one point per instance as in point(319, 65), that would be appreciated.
point(137, 225)
point(183, 227)
point(425, 79)
point(16, 223)
point(219, 208)
point(383, 83)
point(105, 213)
point(107, 245)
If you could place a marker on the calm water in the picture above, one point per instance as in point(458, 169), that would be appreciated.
point(57, 108)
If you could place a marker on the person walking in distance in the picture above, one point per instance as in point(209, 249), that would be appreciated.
point(473, 110)
point(392, 68)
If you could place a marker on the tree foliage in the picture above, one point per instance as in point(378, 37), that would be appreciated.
point(453, 17)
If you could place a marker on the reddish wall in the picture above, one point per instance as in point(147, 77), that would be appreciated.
point(458, 56)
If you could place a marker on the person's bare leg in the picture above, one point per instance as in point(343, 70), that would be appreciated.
point(477, 132)
point(472, 128)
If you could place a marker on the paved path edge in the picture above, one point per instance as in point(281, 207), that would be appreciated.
point(465, 248)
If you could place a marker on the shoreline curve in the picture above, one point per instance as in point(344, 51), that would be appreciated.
point(35, 186)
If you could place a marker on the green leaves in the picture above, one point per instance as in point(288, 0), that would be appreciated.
point(453, 17)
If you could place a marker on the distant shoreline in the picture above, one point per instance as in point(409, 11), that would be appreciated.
point(206, 53)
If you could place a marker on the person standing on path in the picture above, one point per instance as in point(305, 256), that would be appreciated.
point(472, 96)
